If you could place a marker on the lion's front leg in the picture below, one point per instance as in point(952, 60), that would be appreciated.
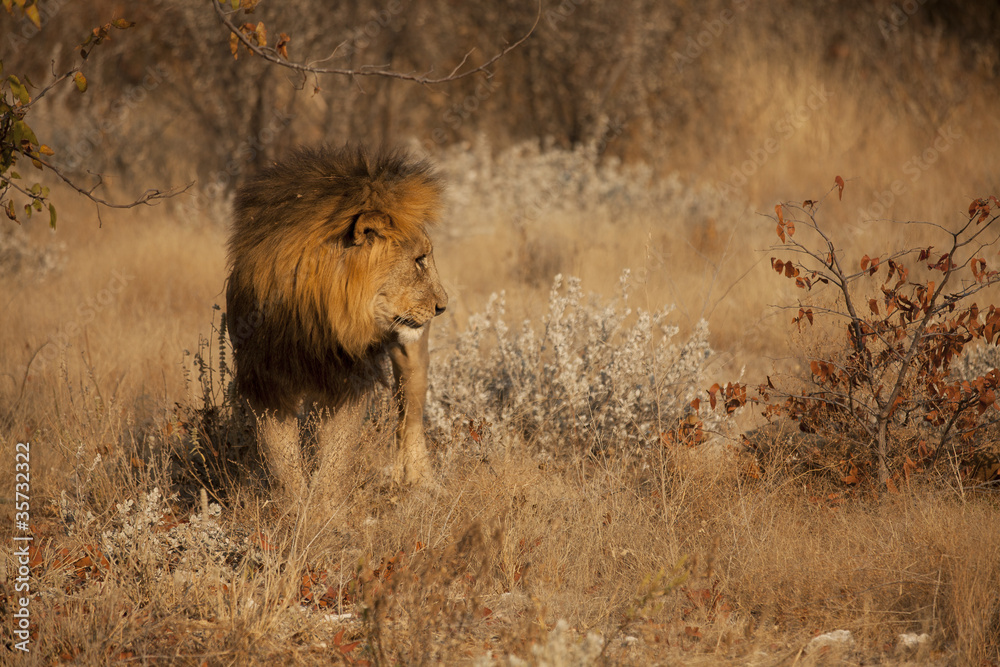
point(278, 436)
point(337, 444)
point(409, 367)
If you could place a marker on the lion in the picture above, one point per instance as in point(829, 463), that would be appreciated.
point(331, 270)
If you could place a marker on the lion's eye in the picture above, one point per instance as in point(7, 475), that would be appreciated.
point(422, 261)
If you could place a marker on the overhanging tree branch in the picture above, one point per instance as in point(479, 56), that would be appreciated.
point(272, 55)
point(148, 197)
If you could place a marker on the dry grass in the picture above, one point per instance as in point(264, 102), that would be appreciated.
point(545, 553)
point(672, 556)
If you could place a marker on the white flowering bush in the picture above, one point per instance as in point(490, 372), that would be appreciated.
point(975, 362)
point(561, 649)
point(528, 182)
point(591, 374)
point(22, 257)
point(143, 532)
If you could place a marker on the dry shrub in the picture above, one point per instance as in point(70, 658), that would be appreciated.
point(592, 376)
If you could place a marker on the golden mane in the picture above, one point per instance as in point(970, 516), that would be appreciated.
point(300, 287)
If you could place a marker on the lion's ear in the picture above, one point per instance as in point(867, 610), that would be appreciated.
point(371, 225)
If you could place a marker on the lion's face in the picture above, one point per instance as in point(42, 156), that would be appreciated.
point(412, 294)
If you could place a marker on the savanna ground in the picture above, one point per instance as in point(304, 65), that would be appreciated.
point(565, 530)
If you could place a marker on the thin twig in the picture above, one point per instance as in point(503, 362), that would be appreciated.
point(271, 55)
point(59, 79)
point(146, 197)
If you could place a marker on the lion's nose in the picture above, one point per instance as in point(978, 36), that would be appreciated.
point(440, 301)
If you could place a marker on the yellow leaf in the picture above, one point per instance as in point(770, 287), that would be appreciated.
point(33, 16)
point(81, 82)
point(45, 150)
point(19, 89)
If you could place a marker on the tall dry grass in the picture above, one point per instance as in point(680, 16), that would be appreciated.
point(534, 548)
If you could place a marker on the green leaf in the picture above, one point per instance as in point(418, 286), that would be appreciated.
point(37, 205)
point(33, 16)
point(11, 213)
point(235, 4)
point(52, 216)
point(20, 132)
point(18, 89)
point(81, 82)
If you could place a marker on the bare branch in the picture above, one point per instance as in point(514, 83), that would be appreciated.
point(271, 55)
point(11, 184)
point(148, 197)
point(56, 81)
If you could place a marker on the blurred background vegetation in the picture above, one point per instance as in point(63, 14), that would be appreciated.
point(638, 134)
point(690, 87)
